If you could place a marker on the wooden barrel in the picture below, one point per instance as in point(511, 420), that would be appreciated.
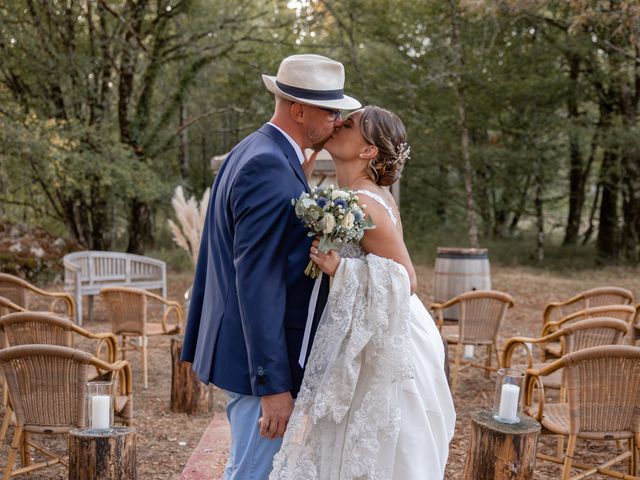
point(460, 270)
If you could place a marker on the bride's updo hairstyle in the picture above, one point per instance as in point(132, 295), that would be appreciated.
point(384, 130)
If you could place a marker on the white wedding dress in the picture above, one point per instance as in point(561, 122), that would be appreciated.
point(374, 403)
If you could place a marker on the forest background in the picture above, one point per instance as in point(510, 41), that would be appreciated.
point(522, 115)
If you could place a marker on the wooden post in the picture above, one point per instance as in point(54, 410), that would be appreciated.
point(188, 393)
point(500, 451)
point(103, 454)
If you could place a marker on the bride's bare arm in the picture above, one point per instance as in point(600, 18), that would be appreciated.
point(385, 240)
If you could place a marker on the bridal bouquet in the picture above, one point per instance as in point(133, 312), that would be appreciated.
point(334, 215)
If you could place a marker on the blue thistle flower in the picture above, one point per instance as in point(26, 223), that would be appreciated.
point(322, 202)
point(341, 203)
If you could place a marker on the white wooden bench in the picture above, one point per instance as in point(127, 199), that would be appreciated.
point(85, 273)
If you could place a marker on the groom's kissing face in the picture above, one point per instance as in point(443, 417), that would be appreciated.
point(324, 121)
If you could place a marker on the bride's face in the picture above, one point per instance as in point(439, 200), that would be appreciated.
point(347, 142)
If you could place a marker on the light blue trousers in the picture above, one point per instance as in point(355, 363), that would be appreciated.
point(250, 456)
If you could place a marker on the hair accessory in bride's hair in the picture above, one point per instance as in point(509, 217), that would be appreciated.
point(404, 152)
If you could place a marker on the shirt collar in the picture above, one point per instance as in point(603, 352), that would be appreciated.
point(295, 146)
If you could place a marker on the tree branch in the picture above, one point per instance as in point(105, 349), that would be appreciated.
point(125, 23)
point(36, 209)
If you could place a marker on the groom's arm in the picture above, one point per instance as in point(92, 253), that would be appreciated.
point(261, 214)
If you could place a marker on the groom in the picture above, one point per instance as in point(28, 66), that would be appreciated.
point(250, 298)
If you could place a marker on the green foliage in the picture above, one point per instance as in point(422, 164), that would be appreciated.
point(102, 118)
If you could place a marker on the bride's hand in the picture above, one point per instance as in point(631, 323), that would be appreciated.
point(328, 262)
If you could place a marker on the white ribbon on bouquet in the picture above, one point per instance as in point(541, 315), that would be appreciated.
point(310, 313)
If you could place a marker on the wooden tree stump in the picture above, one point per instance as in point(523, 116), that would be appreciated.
point(188, 393)
point(103, 455)
point(500, 451)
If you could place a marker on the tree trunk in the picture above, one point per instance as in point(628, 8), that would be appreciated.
point(485, 193)
point(608, 242)
point(101, 220)
point(631, 208)
point(188, 393)
point(464, 130)
point(499, 451)
point(103, 455)
point(441, 200)
point(594, 207)
point(577, 174)
point(630, 102)
point(522, 204)
point(539, 210)
point(183, 153)
point(140, 227)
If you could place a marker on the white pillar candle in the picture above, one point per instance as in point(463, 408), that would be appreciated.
point(509, 402)
point(469, 351)
point(100, 409)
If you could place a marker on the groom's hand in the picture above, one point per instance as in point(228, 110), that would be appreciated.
point(276, 410)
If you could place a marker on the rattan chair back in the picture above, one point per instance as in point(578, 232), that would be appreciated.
point(13, 289)
point(47, 385)
point(27, 328)
point(7, 307)
point(587, 333)
point(603, 389)
point(481, 313)
point(622, 312)
point(127, 308)
point(21, 293)
point(594, 297)
point(593, 332)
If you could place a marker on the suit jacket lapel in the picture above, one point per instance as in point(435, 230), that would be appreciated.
point(288, 151)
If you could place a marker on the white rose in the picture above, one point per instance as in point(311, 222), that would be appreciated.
point(329, 223)
point(338, 194)
point(348, 220)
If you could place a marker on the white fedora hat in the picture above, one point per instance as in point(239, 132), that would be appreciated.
point(311, 79)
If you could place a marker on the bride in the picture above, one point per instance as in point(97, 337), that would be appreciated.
point(374, 402)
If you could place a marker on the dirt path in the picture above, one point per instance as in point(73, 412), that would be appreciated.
point(166, 439)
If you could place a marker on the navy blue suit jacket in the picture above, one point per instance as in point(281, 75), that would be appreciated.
point(250, 296)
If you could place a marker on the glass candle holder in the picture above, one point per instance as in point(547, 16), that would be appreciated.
point(99, 405)
point(469, 352)
point(507, 405)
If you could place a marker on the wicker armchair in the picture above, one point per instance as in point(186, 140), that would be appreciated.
point(47, 385)
point(128, 311)
point(17, 291)
point(603, 403)
point(481, 313)
point(636, 324)
point(593, 332)
point(595, 297)
point(6, 307)
point(552, 349)
point(46, 328)
point(41, 328)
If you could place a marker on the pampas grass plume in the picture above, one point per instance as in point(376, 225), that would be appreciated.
point(190, 221)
